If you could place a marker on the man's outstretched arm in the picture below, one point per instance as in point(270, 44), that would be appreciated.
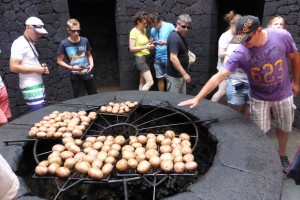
point(212, 84)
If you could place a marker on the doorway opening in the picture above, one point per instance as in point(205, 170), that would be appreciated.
point(245, 7)
point(98, 25)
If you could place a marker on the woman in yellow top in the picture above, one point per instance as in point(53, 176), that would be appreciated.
point(139, 44)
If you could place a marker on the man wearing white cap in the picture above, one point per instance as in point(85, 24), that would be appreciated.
point(24, 60)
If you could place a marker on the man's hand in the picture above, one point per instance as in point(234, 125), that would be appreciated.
point(161, 43)
point(89, 68)
point(46, 70)
point(190, 102)
point(41, 70)
point(77, 68)
point(187, 78)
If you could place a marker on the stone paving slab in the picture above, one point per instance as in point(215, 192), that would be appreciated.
point(184, 196)
point(222, 182)
point(241, 149)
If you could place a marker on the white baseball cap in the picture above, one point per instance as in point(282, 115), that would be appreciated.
point(37, 24)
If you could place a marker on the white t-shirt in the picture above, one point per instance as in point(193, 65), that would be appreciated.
point(238, 75)
point(21, 50)
point(223, 43)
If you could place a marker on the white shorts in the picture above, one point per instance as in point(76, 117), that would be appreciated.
point(283, 112)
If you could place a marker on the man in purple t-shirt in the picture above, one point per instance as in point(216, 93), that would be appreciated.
point(264, 58)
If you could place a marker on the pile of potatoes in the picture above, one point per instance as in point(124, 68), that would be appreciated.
point(62, 124)
point(94, 156)
point(97, 156)
point(118, 108)
point(164, 151)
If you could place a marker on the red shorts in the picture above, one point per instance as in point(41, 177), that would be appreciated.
point(4, 106)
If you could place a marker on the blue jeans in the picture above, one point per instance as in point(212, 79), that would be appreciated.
point(32, 108)
point(160, 66)
point(236, 95)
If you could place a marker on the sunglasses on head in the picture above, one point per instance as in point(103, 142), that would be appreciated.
point(37, 26)
point(74, 31)
point(185, 27)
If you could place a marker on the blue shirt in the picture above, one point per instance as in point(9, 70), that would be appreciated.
point(76, 52)
point(162, 34)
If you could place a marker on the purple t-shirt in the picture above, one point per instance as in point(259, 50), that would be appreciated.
point(266, 66)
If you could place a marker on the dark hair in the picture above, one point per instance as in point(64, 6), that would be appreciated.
point(139, 16)
point(154, 17)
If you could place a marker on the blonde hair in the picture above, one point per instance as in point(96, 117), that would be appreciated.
point(274, 18)
point(232, 18)
point(73, 22)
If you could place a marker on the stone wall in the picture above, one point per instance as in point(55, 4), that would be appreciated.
point(201, 38)
point(54, 14)
point(289, 9)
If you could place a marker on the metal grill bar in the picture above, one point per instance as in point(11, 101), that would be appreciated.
point(157, 119)
point(166, 125)
point(145, 115)
point(165, 114)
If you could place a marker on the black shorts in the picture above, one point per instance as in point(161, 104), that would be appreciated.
point(141, 63)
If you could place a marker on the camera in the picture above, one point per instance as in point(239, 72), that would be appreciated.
point(44, 65)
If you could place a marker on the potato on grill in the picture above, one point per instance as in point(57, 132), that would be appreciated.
point(97, 156)
point(118, 108)
point(63, 124)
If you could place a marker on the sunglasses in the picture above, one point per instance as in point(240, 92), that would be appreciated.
point(185, 27)
point(37, 26)
point(249, 38)
point(74, 31)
